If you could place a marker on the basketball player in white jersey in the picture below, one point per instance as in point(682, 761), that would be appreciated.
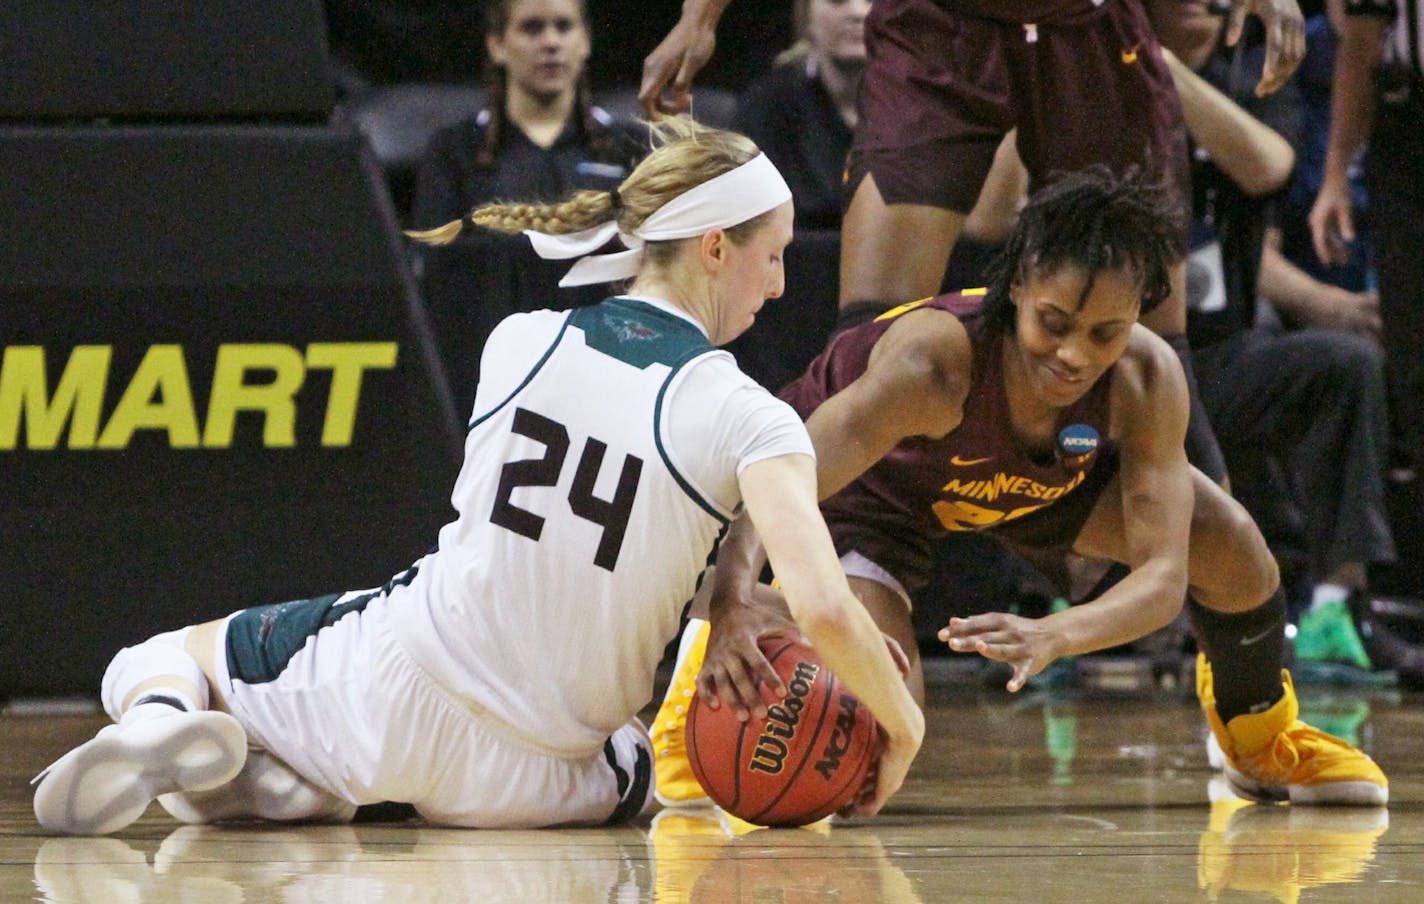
point(495, 682)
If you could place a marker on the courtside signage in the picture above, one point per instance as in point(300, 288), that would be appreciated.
point(261, 378)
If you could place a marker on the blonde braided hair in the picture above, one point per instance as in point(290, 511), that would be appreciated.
point(685, 154)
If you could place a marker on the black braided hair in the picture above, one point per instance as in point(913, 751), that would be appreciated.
point(1091, 220)
point(498, 83)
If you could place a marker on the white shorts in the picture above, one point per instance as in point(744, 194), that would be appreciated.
point(857, 565)
point(355, 715)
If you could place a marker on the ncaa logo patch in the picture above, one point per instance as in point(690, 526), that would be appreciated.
point(1077, 442)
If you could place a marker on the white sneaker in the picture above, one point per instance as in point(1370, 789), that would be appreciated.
point(630, 755)
point(266, 788)
point(105, 784)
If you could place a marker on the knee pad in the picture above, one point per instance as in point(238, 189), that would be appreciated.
point(629, 753)
point(160, 656)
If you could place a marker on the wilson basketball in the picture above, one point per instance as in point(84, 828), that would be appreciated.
point(804, 761)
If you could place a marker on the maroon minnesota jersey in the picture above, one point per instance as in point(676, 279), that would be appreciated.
point(1041, 12)
point(978, 477)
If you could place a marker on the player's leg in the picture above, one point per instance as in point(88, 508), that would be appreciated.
point(482, 773)
point(1315, 398)
point(932, 109)
point(266, 788)
point(1238, 614)
point(887, 601)
point(892, 253)
point(165, 739)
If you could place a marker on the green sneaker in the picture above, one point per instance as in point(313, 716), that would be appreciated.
point(1327, 634)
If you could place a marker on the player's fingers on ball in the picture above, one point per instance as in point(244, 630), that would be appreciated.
point(719, 692)
point(768, 680)
point(707, 689)
point(743, 684)
point(865, 801)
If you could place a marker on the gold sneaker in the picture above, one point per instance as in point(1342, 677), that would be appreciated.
point(675, 785)
point(1273, 756)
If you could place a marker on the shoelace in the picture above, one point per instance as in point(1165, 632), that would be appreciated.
point(1287, 750)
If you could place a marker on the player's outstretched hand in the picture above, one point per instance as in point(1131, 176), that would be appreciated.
point(1023, 643)
point(668, 71)
point(735, 673)
point(1285, 38)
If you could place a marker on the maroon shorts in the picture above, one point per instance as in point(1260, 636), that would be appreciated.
point(943, 87)
point(906, 549)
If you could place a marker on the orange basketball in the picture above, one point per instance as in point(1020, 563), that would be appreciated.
point(804, 761)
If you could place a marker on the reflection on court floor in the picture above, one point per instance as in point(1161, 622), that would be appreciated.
point(1055, 794)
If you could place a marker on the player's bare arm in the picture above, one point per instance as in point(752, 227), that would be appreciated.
point(1149, 530)
point(668, 71)
point(1155, 479)
point(780, 498)
point(915, 385)
point(1149, 413)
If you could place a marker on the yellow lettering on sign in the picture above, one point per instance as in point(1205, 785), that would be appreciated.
point(24, 395)
point(276, 399)
point(263, 378)
point(164, 373)
point(347, 361)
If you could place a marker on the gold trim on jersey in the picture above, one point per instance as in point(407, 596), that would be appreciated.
point(910, 306)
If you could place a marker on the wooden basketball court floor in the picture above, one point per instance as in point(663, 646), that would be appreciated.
point(1095, 794)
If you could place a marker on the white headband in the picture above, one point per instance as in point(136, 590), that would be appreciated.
point(726, 200)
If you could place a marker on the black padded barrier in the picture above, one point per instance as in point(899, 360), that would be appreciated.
point(218, 385)
point(163, 59)
point(477, 281)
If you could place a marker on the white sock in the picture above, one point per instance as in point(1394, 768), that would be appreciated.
point(155, 703)
point(159, 657)
point(1326, 592)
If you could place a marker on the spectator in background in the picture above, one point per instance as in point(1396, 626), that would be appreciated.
point(802, 112)
point(541, 137)
point(1312, 399)
point(1378, 98)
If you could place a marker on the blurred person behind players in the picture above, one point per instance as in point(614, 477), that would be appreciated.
point(541, 136)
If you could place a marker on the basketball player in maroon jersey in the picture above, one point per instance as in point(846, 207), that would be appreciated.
point(1040, 412)
point(1082, 81)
